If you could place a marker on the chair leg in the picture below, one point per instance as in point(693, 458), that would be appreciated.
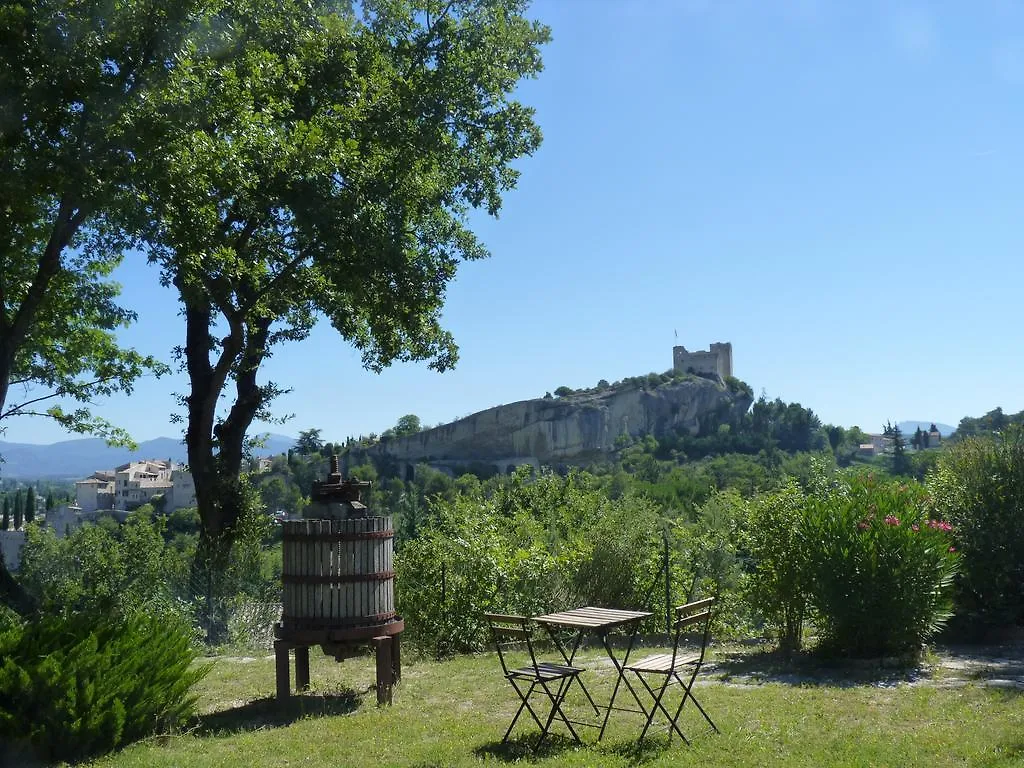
point(556, 709)
point(688, 693)
point(524, 704)
point(659, 705)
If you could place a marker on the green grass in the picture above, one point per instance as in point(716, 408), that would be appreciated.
point(454, 713)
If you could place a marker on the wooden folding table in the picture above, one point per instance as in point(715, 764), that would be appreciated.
point(601, 622)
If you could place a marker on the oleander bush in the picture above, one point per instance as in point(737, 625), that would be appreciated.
point(77, 686)
point(878, 568)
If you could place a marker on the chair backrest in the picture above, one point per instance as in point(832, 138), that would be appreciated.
point(697, 613)
point(510, 633)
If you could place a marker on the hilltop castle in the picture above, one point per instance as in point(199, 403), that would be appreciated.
point(718, 359)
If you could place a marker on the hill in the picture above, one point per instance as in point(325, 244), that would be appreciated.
point(580, 424)
point(76, 459)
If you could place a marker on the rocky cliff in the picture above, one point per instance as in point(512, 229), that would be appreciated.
point(546, 431)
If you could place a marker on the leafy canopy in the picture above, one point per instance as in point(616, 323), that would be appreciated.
point(72, 75)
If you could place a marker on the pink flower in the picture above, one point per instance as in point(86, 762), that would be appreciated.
point(892, 520)
point(863, 525)
point(952, 549)
point(915, 527)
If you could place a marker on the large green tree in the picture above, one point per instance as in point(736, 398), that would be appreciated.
point(408, 425)
point(332, 158)
point(309, 442)
point(73, 75)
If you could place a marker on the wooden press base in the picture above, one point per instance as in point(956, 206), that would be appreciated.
point(340, 643)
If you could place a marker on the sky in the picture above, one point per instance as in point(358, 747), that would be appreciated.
point(834, 187)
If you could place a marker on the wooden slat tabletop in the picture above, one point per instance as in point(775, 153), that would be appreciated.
point(590, 617)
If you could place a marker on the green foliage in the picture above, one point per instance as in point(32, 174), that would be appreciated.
point(878, 569)
point(774, 543)
point(900, 462)
point(30, 505)
point(104, 570)
point(738, 387)
point(70, 134)
point(309, 442)
point(978, 486)
point(530, 547)
point(408, 425)
point(564, 391)
point(74, 687)
point(993, 422)
point(19, 510)
point(712, 559)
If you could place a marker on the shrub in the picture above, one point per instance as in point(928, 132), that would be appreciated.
point(878, 569)
point(529, 548)
point(738, 387)
point(80, 686)
point(775, 588)
point(98, 570)
point(713, 563)
point(979, 487)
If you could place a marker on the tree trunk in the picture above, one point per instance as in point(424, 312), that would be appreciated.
point(216, 450)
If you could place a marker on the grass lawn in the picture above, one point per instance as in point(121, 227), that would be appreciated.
point(454, 713)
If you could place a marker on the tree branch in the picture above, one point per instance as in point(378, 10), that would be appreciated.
point(16, 410)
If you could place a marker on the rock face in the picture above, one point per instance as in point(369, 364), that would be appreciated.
point(545, 431)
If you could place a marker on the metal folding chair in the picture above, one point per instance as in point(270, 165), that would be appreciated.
point(674, 666)
point(513, 639)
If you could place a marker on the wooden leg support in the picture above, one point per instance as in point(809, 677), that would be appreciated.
point(396, 657)
point(302, 668)
point(385, 669)
point(281, 660)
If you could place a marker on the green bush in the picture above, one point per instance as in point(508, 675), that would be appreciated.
point(80, 686)
point(712, 560)
point(878, 569)
point(99, 570)
point(978, 486)
point(529, 548)
point(775, 587)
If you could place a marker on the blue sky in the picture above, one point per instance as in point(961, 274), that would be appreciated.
point(834, 187)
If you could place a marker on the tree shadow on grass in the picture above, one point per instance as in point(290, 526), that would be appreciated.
point(637, 752)
point(268, 712)
point(813, 669)
point(523, 748)
point(520, 749)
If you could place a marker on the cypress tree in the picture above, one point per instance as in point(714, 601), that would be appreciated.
point(30, 505)
point(19, 510)
point(5, 523)
point(51, 502)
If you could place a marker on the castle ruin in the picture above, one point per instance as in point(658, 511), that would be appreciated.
point(717, 360)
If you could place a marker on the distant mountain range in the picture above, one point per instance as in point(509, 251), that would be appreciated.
point(76, 459)
point(909, 427)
